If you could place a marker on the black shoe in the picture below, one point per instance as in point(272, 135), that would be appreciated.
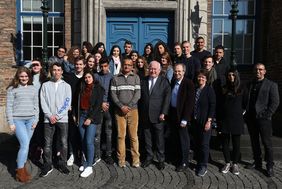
point(182, 167)
point(47, 169)
point(146, 163)
point(63, 169)
point(161, 165)
point(254, 165)
point(270, 172)
point(109, 160)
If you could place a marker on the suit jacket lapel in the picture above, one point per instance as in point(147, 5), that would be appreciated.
point(156, 84)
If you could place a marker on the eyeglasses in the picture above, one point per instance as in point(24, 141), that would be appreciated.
point(33, 65)
point(62, 51)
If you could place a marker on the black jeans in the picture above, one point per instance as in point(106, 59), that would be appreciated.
point(202, 145)
point(261, 128)
point(49, 130)
point(157, 130)
point(106, 125)
point(236, 147)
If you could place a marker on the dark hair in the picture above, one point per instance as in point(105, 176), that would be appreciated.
point(127, 42)
point(177, 44)
point(97, 46)
point(219, 47)
point(206, 57)
point(88, 46)
point(112, 49)
point(80, 59)
point(234, 87)
point(151, 47)
point(57, 64)
point(62, 47)
point(157, 55)
point(203, 72)
point(15, 82)
point(104, 61)
point(198, 38)
point(42, 73)
point(133, 51)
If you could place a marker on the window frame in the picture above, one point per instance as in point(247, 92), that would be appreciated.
point(227, 18)
point(20, 14)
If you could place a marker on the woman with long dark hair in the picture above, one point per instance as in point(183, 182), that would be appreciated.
point(232, 120)
point(142, 67)
point(100, 48)
point(89, 108)
point(22, 112)
point(148, 52)
point(115, 60)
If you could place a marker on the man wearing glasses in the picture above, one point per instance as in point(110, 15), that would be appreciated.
point(60, 57)
point(125, 92)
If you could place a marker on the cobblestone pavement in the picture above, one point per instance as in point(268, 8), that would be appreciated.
point(111, 176)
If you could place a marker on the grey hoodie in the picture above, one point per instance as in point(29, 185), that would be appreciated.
point(56, 102)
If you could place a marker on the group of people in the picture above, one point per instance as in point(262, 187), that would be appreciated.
point(167, 103)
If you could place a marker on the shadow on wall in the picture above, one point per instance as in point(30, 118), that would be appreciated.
point(196, 20)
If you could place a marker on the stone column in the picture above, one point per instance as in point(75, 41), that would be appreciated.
point(84, 23)
point(182, 30)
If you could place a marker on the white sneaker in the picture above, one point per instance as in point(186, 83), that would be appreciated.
point(96, 161)
point(88, 171)
point(81, 168)
point(70, 160)
point(226, 168)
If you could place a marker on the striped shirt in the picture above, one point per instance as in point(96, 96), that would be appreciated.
point(22, 103)
point(125, 90)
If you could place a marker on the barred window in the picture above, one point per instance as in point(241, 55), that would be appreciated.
point(30, 28)
point(245, 29)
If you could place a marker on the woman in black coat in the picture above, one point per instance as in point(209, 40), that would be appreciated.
point(204, 112)
point(232, 120)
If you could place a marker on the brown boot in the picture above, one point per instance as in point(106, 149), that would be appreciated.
point(26, 172)
point(21, 175)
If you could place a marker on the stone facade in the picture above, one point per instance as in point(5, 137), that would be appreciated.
point(7, 53)
point(86, 20)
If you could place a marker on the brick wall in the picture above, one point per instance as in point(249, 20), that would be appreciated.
point(7, 53)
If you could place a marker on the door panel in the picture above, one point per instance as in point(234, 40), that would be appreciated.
point(139, 28)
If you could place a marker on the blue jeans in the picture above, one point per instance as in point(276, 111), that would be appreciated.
point(87, 139)
point(24, 133)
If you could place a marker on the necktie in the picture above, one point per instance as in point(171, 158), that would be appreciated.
point(152, 85)
point(198, 92)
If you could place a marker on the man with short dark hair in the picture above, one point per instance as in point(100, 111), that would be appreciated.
point(125, 92)
point(200, 51)
point(74, 79)
point(60, 57)
point(104, 77)
point(262, 102)
point(127, 49)
point(55, 98)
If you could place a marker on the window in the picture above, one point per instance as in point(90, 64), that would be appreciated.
point(30, 28)
point(245, 32)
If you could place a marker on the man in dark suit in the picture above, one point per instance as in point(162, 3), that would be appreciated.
point(154, 105)
point(262, 102)
point(181, 108)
